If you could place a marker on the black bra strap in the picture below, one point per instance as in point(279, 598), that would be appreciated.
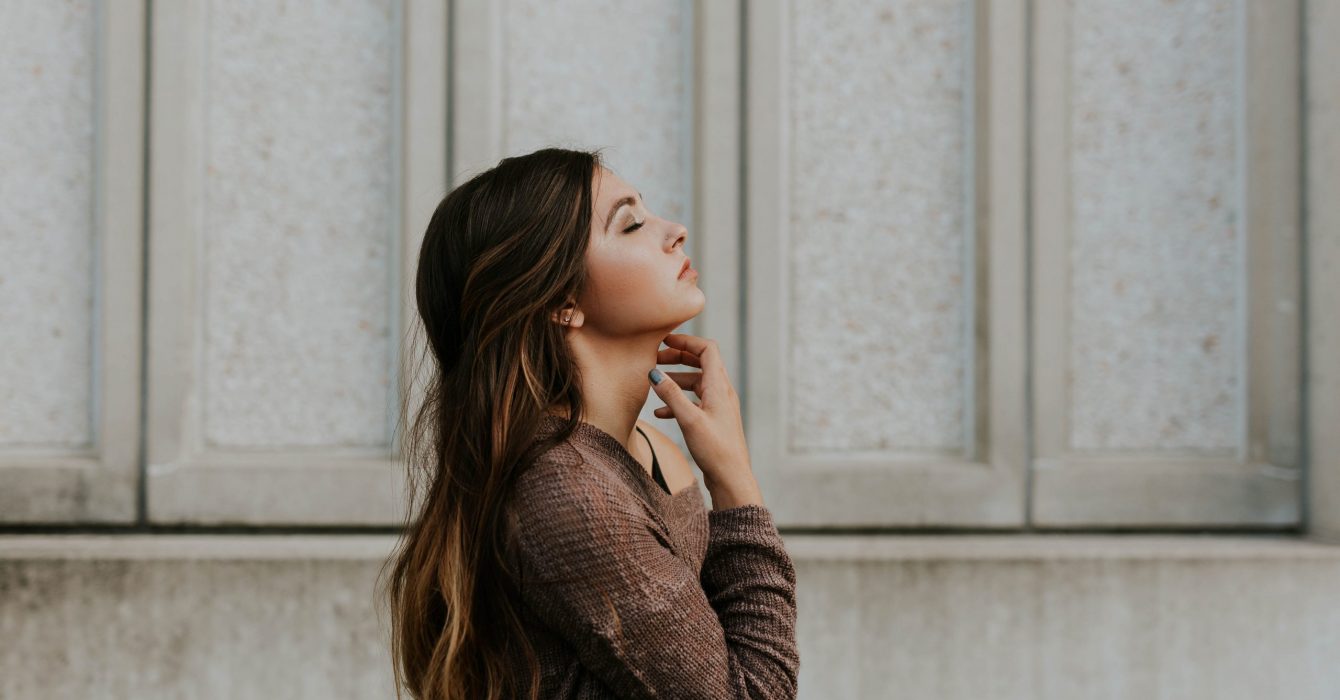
point(655, 465)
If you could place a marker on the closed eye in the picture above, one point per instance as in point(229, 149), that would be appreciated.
point(634, 227)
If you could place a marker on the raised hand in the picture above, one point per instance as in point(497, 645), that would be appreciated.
point(712, 427)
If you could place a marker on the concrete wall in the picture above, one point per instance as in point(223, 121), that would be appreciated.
point(1012, 616)
point(879, 617)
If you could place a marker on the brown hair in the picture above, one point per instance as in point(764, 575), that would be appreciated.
point(502, 253)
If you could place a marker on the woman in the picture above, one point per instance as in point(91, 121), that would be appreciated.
point(561, 553)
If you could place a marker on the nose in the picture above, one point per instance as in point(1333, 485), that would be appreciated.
point(680, 234)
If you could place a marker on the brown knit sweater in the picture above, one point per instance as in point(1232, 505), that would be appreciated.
point(633, 592)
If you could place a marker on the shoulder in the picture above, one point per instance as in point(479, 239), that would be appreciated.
point(565, 470)
point(577, 488)
point(673, 461)
point(650, 429)
point(665, 447)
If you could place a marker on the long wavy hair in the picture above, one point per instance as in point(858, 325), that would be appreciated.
point(502, 253)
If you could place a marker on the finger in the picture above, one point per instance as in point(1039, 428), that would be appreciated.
point(665, 412)
point(693, 344)
point(686, 380)
point(676, 356)
point(705, 349)
point(673, 396)
point(709, 359)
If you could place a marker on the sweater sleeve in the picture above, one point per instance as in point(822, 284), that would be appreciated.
point(602, 574)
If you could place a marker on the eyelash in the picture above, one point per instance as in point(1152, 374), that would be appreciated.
point(636, 225)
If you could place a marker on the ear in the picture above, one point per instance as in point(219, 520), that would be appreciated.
point(569, 316)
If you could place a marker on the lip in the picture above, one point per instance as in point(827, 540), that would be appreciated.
point(685, 269)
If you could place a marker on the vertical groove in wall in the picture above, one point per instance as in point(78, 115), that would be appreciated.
point(688, 146)
point(742, 267)
point(99, 229)
point(1244, 232)
point(1304, 307)
point(396, 226)
point(502, 72)
point(142, 453)
point(450, 85)
point(971, 239)
point(1030, 415)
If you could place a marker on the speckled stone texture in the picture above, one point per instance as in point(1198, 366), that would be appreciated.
point(298, 223)
point(1156, 264)
point(877, 194)
point(1064, 629)
point(1040, 626)
point(605, 74)
point(46, 223)
point(191, 629)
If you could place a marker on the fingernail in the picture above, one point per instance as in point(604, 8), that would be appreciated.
point(655, 375)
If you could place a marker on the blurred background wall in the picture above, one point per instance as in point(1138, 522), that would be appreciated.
point(1031, 307)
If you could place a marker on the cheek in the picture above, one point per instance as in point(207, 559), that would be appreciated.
point(621, 274)
point(622, 283)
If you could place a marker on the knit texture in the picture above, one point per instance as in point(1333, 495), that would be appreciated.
point(632, 592)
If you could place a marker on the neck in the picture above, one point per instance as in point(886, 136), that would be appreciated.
point(613, 379)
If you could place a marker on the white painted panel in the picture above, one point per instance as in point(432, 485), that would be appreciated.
point(885, 262)
point(47, 226)
point(72, 113)
point(298, 223)
point(294, 161)
point(878, 190)
point(1166, 264)
point(1157, 270)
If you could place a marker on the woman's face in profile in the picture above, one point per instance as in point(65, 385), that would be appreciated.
point(633, 263)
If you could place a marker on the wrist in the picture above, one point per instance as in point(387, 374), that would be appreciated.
point(735, 493)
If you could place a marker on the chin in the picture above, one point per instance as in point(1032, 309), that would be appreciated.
point(695, 309)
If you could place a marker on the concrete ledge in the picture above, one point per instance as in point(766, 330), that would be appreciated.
point(189, 547)
point(1037, 617)
point(1055, 547)
point(844, 548)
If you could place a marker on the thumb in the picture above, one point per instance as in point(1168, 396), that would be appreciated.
point(680, 406)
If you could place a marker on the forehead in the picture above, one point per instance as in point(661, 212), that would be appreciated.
point(609, 188)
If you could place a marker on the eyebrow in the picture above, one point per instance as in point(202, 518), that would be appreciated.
point(609, 218)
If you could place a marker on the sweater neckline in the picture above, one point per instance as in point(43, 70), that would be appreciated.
point(598, 438)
